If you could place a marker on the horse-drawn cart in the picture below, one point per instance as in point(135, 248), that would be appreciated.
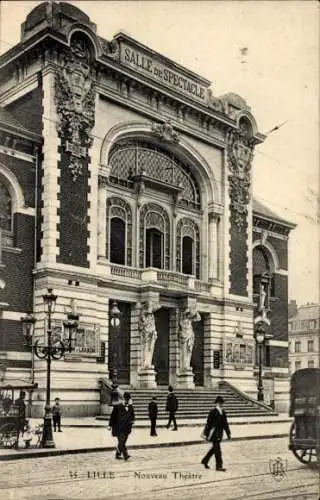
point(10, 419)
point(305, 409)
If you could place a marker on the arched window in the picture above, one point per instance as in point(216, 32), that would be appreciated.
point(261, 267)
point(119, 240)
point(188, 247)
point(154, 237)
point(5, 207)
point(187, 255)
point(129, 159)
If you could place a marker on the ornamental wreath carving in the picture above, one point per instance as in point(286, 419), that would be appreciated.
point(75, 103)
point(240, 154)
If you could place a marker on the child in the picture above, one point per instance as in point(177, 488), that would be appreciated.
point(153, 412)
point(27, 435)
point(56, 415)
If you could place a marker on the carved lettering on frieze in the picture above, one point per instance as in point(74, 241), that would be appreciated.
point(75, 103)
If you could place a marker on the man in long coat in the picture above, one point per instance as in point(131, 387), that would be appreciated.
point(121, 421)
point(172, 408)
point(216, 423)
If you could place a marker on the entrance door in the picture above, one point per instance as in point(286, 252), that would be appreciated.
point(119, 342)
point(197, 353)
point(161, 350)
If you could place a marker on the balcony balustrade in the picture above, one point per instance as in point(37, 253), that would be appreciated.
point(160, 276)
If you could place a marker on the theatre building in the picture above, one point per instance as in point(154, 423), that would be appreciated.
point(124, 180)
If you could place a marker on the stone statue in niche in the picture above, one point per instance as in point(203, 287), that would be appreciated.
point(186, 337)
point(148, 332)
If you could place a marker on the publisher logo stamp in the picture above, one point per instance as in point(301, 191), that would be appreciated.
point(278, 468)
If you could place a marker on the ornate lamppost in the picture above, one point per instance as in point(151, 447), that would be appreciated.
point(260, 337)
point(49, 351)
point(115, 323)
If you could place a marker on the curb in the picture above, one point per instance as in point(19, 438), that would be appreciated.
point(163, 426)
point(54, 452)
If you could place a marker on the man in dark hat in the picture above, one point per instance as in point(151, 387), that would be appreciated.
point(172, 407)
point(216, 423)
point(121, 421)
point(153, 412)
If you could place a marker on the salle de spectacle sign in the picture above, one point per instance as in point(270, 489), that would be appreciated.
point(157, 71)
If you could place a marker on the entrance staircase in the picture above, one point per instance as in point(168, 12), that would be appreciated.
point(196, 403)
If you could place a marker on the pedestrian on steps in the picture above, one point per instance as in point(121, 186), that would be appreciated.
point(153, 413)
point(121, 422)
point(172, 408)
point(217, 422)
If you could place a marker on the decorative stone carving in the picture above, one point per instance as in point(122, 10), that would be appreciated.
point(264, 236)
point(165, 132)
point(75, 102)
point(186, 337)
point(148, 332)
point(110, 49)
point(240, 153)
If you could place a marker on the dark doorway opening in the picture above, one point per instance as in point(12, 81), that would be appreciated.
point(187, 255)
point(161, 351)
point(119, 342)
point(117, 241)
point(154, 239)
point(197, 353)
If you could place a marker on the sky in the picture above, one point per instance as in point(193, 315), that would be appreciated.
point(277, 73)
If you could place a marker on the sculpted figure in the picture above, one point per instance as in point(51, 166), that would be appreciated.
point(187, 337)
point(262, 300)
point(148, 333)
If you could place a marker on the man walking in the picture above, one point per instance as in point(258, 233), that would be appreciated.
point(216, 423)
point(172, 407)
point(121, 421)
point(153, 412)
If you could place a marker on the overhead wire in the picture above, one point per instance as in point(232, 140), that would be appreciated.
point(306, 216)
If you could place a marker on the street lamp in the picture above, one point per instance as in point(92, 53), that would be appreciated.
point(115, 314)
point(260, 336)
point(48, 352)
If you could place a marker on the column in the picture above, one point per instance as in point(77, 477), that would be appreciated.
point(213, 246)
point(102, 221)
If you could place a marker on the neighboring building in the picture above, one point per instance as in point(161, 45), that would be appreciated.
point(123, 178)
point(304, 338)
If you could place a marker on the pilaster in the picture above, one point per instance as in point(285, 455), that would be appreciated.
point(173, 346)
point(50, 188)
point(135, 350)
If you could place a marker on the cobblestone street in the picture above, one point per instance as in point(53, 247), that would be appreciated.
point(163, 473)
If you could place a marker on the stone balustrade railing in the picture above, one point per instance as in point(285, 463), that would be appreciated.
point(161, 276)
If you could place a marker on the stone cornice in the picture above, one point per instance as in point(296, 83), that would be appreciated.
point(104, 61)
point(149, 113)
point(275, 229)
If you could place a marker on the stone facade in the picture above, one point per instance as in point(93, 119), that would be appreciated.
point(136, 187)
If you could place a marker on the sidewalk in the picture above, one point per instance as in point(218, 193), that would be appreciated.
point(89, 435)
